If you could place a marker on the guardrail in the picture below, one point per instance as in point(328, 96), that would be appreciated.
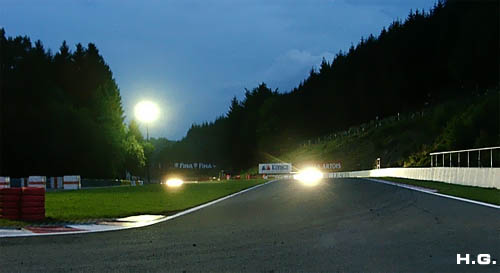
point(434, 163)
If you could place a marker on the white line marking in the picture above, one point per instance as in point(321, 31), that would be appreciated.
point(411, 187)
point(434, 192)
point(104, 228)
point(214, 202)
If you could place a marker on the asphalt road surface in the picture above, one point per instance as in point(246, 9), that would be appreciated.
point(346, 225)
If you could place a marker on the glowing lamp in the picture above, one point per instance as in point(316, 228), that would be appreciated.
point(146, 111)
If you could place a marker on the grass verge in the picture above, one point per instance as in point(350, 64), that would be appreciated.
point(114, 202)
point(487, 195)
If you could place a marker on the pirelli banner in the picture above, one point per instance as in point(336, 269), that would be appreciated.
point(275, 168)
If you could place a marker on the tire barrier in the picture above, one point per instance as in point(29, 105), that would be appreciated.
point(4, 182)
point(32, 211)
point(37, 181)
point(72, 182)
point(26, 203)
point(33, 204)
point(33, 191)
point(34, 217)
point(10, 199)
point(33, 198)
point(9, 204)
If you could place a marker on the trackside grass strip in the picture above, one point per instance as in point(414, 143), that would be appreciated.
point(487, 195)
point(114, 202)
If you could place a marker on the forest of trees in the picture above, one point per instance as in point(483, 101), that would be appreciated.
point(61, 114)
point(448, 52)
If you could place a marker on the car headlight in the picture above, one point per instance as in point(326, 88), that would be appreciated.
point(309, 176)
point(174, 182)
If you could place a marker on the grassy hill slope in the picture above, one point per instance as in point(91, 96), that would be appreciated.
point(406, 141)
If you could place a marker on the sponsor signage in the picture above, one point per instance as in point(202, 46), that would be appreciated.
point(329, 166)
point(194, 166)
point(325, 166)
point(275, 168)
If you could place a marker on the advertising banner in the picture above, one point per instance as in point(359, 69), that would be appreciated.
point(331, 166)
point(194, 166)
point(275, 168)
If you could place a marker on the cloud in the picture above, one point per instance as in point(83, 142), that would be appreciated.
point(305, 57)
point(291, 67)
point(196, 54)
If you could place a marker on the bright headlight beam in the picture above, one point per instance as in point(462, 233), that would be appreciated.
point(146, 111)
point(309, 176)
point(174, 182)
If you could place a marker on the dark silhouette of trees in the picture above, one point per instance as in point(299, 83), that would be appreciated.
point(62, 114)
point(448, 52)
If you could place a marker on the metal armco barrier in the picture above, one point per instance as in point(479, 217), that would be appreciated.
point(478, 177)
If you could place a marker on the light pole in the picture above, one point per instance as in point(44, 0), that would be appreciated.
point(146, 112)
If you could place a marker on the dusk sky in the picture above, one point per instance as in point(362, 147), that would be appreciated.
point(193, 56)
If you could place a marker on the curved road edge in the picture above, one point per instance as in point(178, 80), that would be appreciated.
point(434, 192)
point(119, 224)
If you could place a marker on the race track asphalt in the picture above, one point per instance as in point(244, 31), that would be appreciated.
point(340, 225)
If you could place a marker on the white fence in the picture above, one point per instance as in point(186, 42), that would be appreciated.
point(489, 150)
point(479, 177)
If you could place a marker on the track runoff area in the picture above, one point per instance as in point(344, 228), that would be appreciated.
point(325, 225)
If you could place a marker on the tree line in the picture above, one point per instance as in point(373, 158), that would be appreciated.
point(448, 52)
point(61, 114)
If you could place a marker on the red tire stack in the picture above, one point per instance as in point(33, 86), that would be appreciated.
point(10, 200)
point(33, 204)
